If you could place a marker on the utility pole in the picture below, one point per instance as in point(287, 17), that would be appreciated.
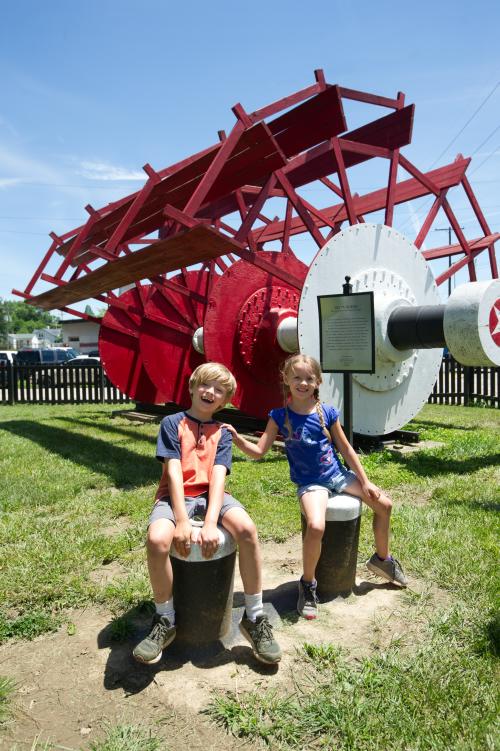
point(448, 230)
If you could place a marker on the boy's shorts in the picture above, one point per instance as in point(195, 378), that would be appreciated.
point(336, 484)
point(196, 506)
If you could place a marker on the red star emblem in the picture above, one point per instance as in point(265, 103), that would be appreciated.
point(494, 322)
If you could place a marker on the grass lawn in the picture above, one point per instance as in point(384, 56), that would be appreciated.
point(71, 475)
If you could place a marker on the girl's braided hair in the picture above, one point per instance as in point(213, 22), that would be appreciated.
point(315, 368)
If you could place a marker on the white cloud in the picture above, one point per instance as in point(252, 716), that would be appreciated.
point(21, 168)
point(489, 154)
point(106, 171)
point(8, 182)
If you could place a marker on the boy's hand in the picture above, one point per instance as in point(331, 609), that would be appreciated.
point(182, 537)
point(208, 539)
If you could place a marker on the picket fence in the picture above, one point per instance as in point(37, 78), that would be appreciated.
point(70, 384)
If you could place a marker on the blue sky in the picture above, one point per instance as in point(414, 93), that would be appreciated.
point(92, 90)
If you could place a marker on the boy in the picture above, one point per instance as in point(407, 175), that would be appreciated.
point(196, 455)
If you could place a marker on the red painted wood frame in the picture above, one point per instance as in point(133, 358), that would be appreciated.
point(270, 153)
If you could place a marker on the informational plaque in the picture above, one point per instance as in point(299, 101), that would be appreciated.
point(347, 333)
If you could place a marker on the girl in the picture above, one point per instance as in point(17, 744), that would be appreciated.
point(313, 435)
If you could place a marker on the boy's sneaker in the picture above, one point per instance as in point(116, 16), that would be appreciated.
point(149, 650)
point(389, 569)
point(260, 635)
point(307, 604)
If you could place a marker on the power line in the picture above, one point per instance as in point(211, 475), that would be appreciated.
point(485, 140)
point(116, 184)
point(471, 118)
point(495, 151)
point(17, 232)
point(46, 218)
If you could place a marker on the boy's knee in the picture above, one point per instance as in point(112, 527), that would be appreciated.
point(157, 543)
point(247, 534)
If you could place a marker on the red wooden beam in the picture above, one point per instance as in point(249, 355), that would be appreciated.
point(483, 223)
point(444, 251)
point(461, 238)
point(190, 247)
point(391, 185)
point(43, 263)
point(300, 208)
point(344, 182)
point(406, 190)
point(363, 96)
point(424, 230)
point(270, 267)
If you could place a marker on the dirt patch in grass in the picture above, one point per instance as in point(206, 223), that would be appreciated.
point(70, 686)
point(107, 573)
point(119, 525)
point(406, 493)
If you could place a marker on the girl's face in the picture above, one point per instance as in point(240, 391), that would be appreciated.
point(301, 381)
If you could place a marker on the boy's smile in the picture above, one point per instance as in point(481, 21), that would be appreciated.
point(207, 398)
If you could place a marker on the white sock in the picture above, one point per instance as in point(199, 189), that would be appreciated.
point(166, 608)
point(253, 606)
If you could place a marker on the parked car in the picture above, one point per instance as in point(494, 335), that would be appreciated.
point(52, 356)
point(83, 360)
point(7, 357)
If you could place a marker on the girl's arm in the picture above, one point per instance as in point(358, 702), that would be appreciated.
point(344, 447)
point(255, 450)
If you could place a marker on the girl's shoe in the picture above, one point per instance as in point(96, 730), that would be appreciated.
point(389, 569)
point(307, 604)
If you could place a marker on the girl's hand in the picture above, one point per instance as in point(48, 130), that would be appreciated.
point(231, 429)
point(371, 490)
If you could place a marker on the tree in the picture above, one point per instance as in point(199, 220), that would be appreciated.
point(4, 328)
point(21, 318)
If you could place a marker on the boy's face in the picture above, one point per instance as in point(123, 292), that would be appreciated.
point(207, 397)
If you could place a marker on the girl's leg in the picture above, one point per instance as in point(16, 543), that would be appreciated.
point(313, 506)
point(381, 507)
point(241, 527)
point(158, 542)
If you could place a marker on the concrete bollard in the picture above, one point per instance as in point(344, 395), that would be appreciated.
point(336, 569)
point(203, 591)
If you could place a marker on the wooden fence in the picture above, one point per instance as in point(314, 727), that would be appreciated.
point(459, 384)
point(57, 384)
point(70, 384)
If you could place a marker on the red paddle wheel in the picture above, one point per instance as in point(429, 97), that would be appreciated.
point(208, 241)
point(242, 326)
point(120, 350)
point(170, 321)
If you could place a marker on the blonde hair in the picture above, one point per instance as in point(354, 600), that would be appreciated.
point(315, 368)
point(213, 371)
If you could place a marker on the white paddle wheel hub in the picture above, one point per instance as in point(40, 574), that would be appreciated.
point(378, 259)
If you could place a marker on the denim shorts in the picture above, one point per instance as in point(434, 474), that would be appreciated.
point(336, 484)
point(196, 506)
